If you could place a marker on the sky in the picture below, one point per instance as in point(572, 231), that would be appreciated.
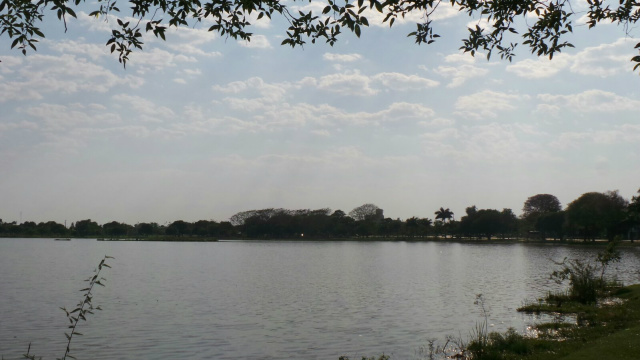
point(201, 127)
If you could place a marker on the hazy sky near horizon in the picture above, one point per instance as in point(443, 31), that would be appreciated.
point(202, 127)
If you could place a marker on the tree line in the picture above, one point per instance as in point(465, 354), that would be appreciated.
point(592, 216)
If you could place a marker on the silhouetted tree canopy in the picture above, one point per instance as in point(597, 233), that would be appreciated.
point(361, 212)
point(597, 214)
point(444, 214)
point(540, 204)
point(542, 26)
point(592, 215)
point(488, 222)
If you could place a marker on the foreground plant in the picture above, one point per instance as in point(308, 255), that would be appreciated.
point(81, 311)
point(585, 286)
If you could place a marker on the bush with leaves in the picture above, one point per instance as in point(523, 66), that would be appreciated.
point(586, 280)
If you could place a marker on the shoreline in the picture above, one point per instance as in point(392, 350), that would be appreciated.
point(435, 239)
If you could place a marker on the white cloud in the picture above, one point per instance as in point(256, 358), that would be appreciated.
point(96, 24)
point(10, 126)
point(324, 133)
point(588, 101)
point(460, 68)
point(267, 93)
point(349, 83)
point(441, 135)
point(439, 121)
point(61, 118)
point(626, 133)
point(603, 60)
point(487, 104)
point(192, 72)
point(92, 51)
point(460, 74)
point(146, 110)
point(541, 67)
point(401, 82)
point(156, 59)
point(256, 42)
point(445, 11)
point(401, 111)
point(10, 63)
point(341, 57)
point(491, 142)
point(66, 74)
point(355, 83)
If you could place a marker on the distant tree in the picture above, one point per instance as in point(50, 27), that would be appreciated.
point(597, 214)
point(52, 228)
point(390, 227)
point(226, 229)
point(87, 228)
point(508, 222)
point(551, 225)
point(425, 222)
point(540, 204)
point(9, 229)
point(363, 211)
point(179, 228)
point(239, 219)
point(634, 205)
point(28, 228)
point(488, 222)
point(205, 228)
point(146, 229)
point(412, 226)
point(444, 214)
point(115, 228)
point(633, 217)
point(341, 225)
point(315, 223)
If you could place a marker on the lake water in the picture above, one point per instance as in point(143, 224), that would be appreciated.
point(269, 300)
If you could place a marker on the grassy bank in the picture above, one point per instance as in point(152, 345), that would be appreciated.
point(607, 330)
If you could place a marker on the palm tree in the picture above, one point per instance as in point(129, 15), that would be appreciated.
point(444, 214)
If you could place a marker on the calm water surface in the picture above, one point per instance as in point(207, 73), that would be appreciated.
point(269, 300)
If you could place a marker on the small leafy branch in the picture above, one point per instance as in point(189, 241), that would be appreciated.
point(84, 307)
point(80, 312)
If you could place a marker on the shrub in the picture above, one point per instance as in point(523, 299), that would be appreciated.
point(586, 280)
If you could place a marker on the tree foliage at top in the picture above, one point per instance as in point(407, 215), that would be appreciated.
point(444, 214)
point(364, 211)
point(547, 21)
point(595, 213)
point(540, 204)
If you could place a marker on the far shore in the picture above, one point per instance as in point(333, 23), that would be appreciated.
point(597, 242)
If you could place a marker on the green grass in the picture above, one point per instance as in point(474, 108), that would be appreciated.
point(621, 345)
point(608, 332)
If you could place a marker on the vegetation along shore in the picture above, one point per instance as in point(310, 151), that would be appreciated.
point(603, 321)
point(592, 216)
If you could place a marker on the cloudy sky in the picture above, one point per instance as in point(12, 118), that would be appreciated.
point(201, 127)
